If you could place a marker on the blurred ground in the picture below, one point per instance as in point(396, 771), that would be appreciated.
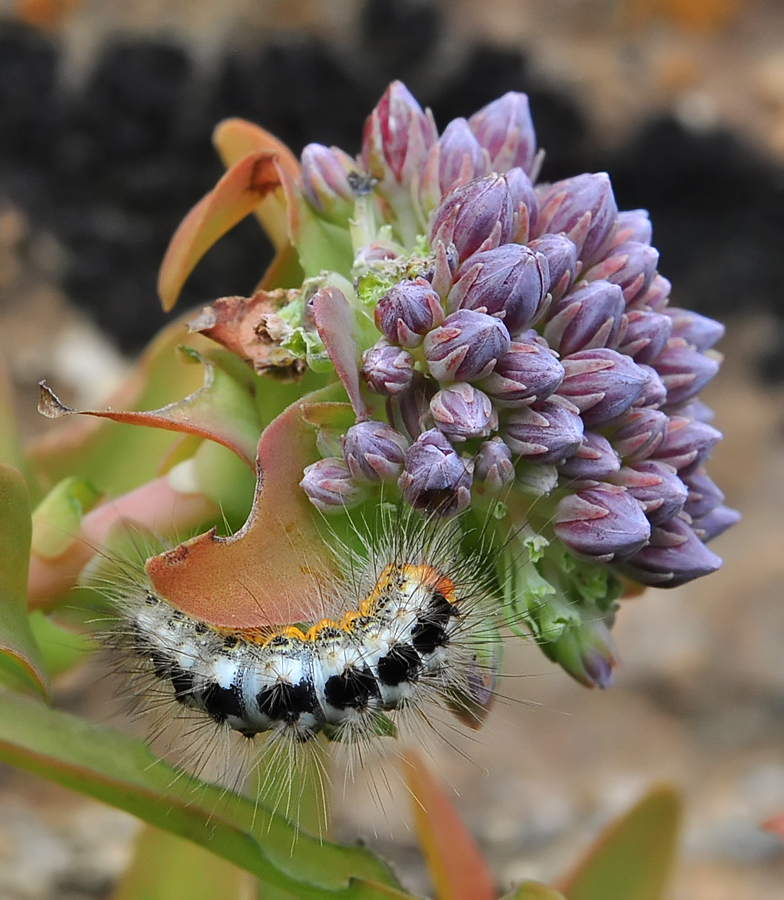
point(700, 697)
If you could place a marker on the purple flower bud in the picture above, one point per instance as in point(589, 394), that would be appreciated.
point(525, 205)
point(698, 331)
point(509, 282)
point(698, 411)
point(478, 212)
point(325, 182)
point(602, 383)
point(586, 652)
point(654, 393)
point(397, 136)
point(460, 411)
point(435, 479)
point(460, 156)
point(632, 225)
point(630, 265)
point(329, 485)
point(387, 369)
point(408, 311)
point(527, 373)
point(604, 523)
point(687, 444)
point(493, 465)
point(589, 316)
point(546, 432)
point(595, 460)
point(377, 251)
point(584, 209)
point(561, 256)
point(704, 495)
point(656, 487)
point(674, 556)
point(655, 298)
point(646, 335)
point(374, 451)
point(684, 371)
point(638, 434)
point(444, 268)
point(716, 522)
point(504, 128)
point(410, 409)
point(466, 346)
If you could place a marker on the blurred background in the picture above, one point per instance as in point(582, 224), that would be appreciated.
point(106, 111)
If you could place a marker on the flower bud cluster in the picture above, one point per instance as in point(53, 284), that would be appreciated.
point(538, 333)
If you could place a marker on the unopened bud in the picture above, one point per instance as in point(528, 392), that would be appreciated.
point(594, 461)
point(407, 311)
point(704, 494)
point(410, 409)
point(674, 556)
point(466, 347)
point(630, 265)
point(698, 411)
point(504, 128)
point(656, 297)
point(716, 522)
point(387, 369)
point(435, 479)
point(493, 465)
point(527, 372)
point(639, 432)
point(374, 451)
point(654, 393)
point(561, 256)
point(325, 182)
point(460, 411)
point(646, 335)
point(509, 282)
point(460, 156)
point(603, 523)
point(586, 651)
point(329, 485)
point(687, 444)
point(589, 316)
point(547, 432)
point(684, 371)
point(602, 383)
point(632, 225)
point(656, 487)
point(525, 205)
point(698, 331)
point(584, 209)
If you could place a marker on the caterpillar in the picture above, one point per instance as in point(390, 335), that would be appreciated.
point(413, 622)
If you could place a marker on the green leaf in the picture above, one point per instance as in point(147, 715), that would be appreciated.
point(122, 772)
point(21, 655)
point(534, 890)
point(634, 858)
point(58, 517)
point(62, 648)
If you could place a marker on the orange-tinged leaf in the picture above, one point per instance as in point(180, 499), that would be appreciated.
point(222, 410)
point(534, 890)
point(20, 653)
point(269, 572)
point(253, 178)
point(456, 866)
point(284, 271)
point(634, 857)
point(335, 323)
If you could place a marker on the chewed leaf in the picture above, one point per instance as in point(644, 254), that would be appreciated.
point(222, 410)
point(267, 573)
point(252, 179)
point(17, 644)
point(122, 772)
point(456, 866)
point(335, 323)
point(235, 138)
point(633, 859)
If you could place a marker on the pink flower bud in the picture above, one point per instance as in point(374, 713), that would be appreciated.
point(603, 523)
point(493, 465)
point(525, 205)
point(460, 411)
point(654, 393)
point(373, 451)
point(504, 128)
point(584, 209)
point(655, 298)
point(646, 335)
point(674, 556)
point(397, 136)
point(630, 265)
point(698, 331)
point(589, 316)
point(466, 347)
point(561, 256)
point(435, 479)
point(639, 432)
point(528, 372)
point(684, 371)
point(602, 383)
point(407, 311)
point(687, 444)
point(325, 182)
point(655, 486)
point(547, 432)
point(460, 156)
point(387, 369)
point(595, 460)
point(329, 485)
point(509, 282)
point(632, 225)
